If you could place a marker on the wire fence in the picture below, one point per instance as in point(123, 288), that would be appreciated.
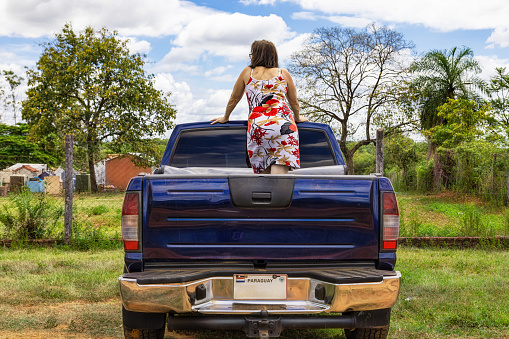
point(82, 212)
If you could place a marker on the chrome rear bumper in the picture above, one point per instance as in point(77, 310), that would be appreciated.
point(214, 295)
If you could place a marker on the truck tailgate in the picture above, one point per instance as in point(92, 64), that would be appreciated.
point(235, 217)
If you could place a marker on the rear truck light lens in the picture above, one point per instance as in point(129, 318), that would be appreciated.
point(390, 222)
point(130, 221)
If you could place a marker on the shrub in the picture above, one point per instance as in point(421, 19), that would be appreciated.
point(29, 215)
point(98, 210)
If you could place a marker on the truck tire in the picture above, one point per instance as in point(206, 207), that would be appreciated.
point(367, 333)
point(135, 333)
point(139, 325)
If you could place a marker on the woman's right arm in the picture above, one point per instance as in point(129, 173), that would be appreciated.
point(291, 95)
point(237, 93)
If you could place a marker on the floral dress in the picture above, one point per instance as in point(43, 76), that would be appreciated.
point(272, 136)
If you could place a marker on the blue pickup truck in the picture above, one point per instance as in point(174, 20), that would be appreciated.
point(210, 245)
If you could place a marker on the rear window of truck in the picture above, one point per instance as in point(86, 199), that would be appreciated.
point(227, 148)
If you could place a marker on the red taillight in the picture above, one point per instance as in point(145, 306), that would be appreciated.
point(390, 221)
point(130, 210)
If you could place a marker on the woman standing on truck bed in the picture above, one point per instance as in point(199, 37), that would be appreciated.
point(272, 135)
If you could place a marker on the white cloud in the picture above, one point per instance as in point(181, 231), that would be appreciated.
point(34, 18)
point(138, 46)
point(312, 16)
point(197, 107)
point(500, 36)
point(287, 48)
point(489, 63)
point(217, 71)
point(348, 21)
point(258, 2)
point(436, 14)
point(217, 74)
point(229, 35)
point(226, 35)
point(342, 20)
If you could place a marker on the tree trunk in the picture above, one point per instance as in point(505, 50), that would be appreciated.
point(437, 165)
point(68, 188)
point(349, 162)
point(91, 169)
point(437, 172)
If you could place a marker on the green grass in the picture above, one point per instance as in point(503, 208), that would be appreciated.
point(450, 215)
point(444, 294)
point(442, 215)
point(452, 294)
point(97, 215)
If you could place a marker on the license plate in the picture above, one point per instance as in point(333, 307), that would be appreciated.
point(259, 286)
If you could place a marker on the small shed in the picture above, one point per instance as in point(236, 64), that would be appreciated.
point(26, 170)
point(116, 170)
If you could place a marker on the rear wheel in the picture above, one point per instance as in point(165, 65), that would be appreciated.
point(367, 333)
point(136, 333)
point(139, 325)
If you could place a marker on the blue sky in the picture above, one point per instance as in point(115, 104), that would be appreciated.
point(196, 49)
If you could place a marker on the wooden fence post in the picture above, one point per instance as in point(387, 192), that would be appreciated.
point(380, 151)
point(68, 188)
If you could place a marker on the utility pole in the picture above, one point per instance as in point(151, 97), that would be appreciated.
point(380, 151)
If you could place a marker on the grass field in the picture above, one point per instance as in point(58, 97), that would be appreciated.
point(450, 215)
point(63, 293)
point(442, 215)
point(54, 292)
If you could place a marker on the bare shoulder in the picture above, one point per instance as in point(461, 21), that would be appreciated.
point(285, 72)
point(286, 75)
point(245, 74)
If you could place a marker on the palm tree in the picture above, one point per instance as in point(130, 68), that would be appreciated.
point(440, 76)
point(443, 75)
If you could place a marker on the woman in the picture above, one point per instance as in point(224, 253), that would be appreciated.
point(272, 135)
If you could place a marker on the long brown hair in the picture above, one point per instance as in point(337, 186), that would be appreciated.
point(263, 53)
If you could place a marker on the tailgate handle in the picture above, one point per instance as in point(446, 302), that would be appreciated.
point(261, 197)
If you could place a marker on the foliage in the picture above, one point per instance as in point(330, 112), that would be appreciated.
point(499, 102)
point(401, 152)
point(444, 75)
point(15, 148)
point(87, 237)
point(441, 76)
point(466, 147)
point(365, 160)
point(89, 85)
point(348, 77)
point(464, 121)
point(30, 215)
point(10, 100)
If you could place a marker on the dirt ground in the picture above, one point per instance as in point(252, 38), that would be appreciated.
point(73, 320)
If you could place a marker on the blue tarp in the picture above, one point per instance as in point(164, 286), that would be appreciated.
point(36, 186)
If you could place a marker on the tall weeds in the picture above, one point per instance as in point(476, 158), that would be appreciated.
point(29, 215)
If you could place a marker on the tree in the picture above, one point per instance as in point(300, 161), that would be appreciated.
point(15, 148)
point(348, 77)
point(441, 76)
point(90, 86)
point(444, 75)
point(10, 100)
point(465, 121)
point(499, 102)
point(465, 142)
